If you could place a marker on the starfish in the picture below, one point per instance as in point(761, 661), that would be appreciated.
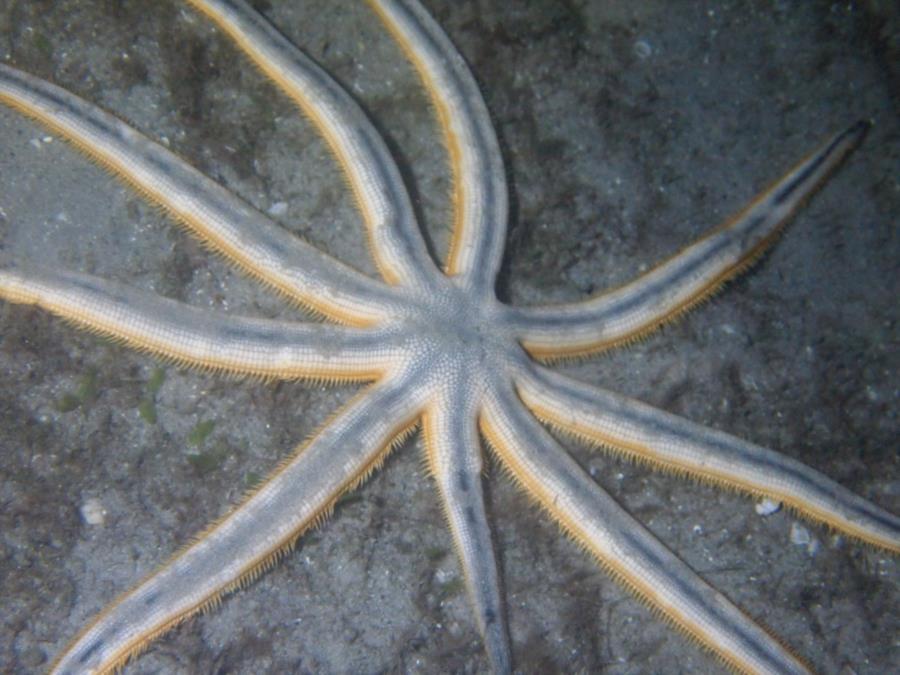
point(440, 349)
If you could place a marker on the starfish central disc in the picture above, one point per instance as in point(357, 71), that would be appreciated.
point(457, 331)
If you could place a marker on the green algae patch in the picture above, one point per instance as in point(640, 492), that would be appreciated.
point(155, 383)
point(200, 432)
point(43, 45)
point(435, 553)
point(147, 406)
point(147, 411)
point(452, 588)
point(347, 499)
point(208, 461)
point(252, 480)
point(87, 391)
point(67, 403)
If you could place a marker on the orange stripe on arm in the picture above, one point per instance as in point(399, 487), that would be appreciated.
point(195, 338)
point(227, 224)
point(480, 200)
point(627, 550)
point(685, 280)
point(671, 443)
point(245, 543)
point(396, 241)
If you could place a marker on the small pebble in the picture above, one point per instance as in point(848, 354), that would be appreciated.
point(642, 49)
point(278, 209)
point(93, 512)
point(766, 507)
point(802, 537)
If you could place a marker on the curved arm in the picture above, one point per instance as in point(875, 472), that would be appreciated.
point(229, 225)
point(625, 547)
point(382, 198)
point(688, 278)
point(670, 442)
point(198, 338)
point(479, 179)
point(248, 541)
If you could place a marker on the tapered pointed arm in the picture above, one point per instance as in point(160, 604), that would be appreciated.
point(197, 338)
point(229, 225)
point(625, 548)
point(479, 180)
point(455, 461)
point(245, 543)
point(670, 442)
point(684, 280)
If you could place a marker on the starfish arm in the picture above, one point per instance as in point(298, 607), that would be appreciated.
point(455, 462)
point(236, 549)
point(396, 240)
point(479, 179)
point(622, 545)
point(199, 338)
point(688, 278)
point(217, 217)
point(670, 442)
